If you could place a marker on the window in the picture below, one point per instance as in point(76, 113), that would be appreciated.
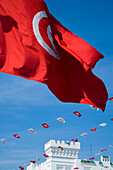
point(87, 168)
point(68, 168)
point(48, 167)
point(59, 168)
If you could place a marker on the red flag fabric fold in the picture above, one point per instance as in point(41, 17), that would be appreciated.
point(74, 45)
point(35, 46)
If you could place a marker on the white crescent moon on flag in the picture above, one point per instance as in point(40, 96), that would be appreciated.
point(38, 36)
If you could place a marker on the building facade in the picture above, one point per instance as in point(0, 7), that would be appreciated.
point(64, 156)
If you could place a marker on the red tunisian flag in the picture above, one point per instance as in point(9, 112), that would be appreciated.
point(34, 45)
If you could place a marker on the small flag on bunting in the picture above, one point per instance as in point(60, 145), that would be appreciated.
point(16, 136)
point(103, 150)
point(77, 113)
point(60, 147)
point(61, 119)
point(32, 130)
point(4, 141)
point(91, 158)
point(46, 155)
point(103, 124)
point(21, 167)
point(111, 99)
point(75, 140)
point(45, 125)
point(84, 134)
point(93, 129)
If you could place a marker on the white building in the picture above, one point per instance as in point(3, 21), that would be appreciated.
point(64, 156)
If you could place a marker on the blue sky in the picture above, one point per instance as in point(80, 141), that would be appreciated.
point(27, 104)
